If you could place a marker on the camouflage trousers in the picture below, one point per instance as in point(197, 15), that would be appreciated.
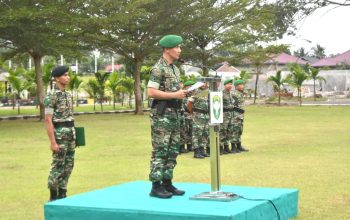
point(62, 161)
point(165, 133)
point(226, 129)
point(188, 130)
point(200, 130)
point(237, 126)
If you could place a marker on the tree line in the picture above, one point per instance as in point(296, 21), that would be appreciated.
point(213, 30)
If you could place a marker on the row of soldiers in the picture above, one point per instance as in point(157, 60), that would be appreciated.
point(195, 120)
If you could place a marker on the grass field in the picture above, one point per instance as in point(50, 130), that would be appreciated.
point(293, 147)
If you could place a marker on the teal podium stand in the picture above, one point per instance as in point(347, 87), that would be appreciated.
point(130, 201)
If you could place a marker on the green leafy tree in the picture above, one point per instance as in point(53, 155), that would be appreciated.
point(278, 81)
point(296, 78)
point(243, 75)
point(227, 27)
point(314, 75)
point(257, 56)
point(137, 33)
point(41, 28)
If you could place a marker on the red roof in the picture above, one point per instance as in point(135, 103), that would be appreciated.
point(227, 68)
point(333, 61)
point(284, 58)
point(116, 67)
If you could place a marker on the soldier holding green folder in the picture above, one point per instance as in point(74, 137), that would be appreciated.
point(59, 123)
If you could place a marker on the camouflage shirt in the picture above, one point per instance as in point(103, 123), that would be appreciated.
point(228, 103)
point(238, 98)
point(59, 104)
point(199, 102)
point(164, 76)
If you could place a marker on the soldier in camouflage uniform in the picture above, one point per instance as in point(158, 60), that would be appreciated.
point(199, 107)
point(164, 88)
point(182, 126)
point(188, 119)
point(238, 116)
point(60, 128)
point(226, 128)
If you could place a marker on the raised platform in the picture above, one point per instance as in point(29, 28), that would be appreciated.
point(131, 201)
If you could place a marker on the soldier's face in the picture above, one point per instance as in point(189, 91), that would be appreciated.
point(240, 87)
point(174, 52)
point(228, 86)
point(64, 79)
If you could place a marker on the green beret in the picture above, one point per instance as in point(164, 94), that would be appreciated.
point(239, 82)
point(189, 83)
point(170, 41)
point(228, 81)
point(59, 71)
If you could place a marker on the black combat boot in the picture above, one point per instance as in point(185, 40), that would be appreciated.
point(204, 154)
point(189, 147)
point(221, 150)
point(226, 149)
point(208, 150)
point(182, 149)
point(198, 154)
point(240, 148)
point(159, 191)
point(234, 148)
point(53, 195)
point(167, 184)
point(62, 193)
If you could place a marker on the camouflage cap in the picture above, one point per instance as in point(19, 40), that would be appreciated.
point(59, 71)
point(228, 81)
point(189, 83)
point(239, 82)
point(170, 41)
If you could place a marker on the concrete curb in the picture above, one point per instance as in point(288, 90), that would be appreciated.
point(24, 117)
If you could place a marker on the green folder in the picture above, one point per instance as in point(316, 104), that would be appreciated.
point(80, 136)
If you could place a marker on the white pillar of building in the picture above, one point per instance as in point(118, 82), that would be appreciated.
point(76, 66)
point(30, 63)
point(61, 60)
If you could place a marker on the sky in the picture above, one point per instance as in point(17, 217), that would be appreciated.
point(328, 27)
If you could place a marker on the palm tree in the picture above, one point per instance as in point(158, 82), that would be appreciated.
point(18, 84)
point(319, 51)
point(91, 87)
point(297, 78)
point(101, 79)
point(128, 85)
point(314, 75)
point(278, 82)
point(113, 82)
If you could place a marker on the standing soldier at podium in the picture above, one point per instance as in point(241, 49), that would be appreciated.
point(238, 115)
point(164, 88)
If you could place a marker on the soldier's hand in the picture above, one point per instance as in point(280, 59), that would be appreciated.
point(55, 148)
point(180, 94)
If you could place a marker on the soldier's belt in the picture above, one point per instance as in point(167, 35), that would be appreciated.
point(200, 111)
point(68, 124)
point(228, 109)
point(239, 110)
point(167, 103)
